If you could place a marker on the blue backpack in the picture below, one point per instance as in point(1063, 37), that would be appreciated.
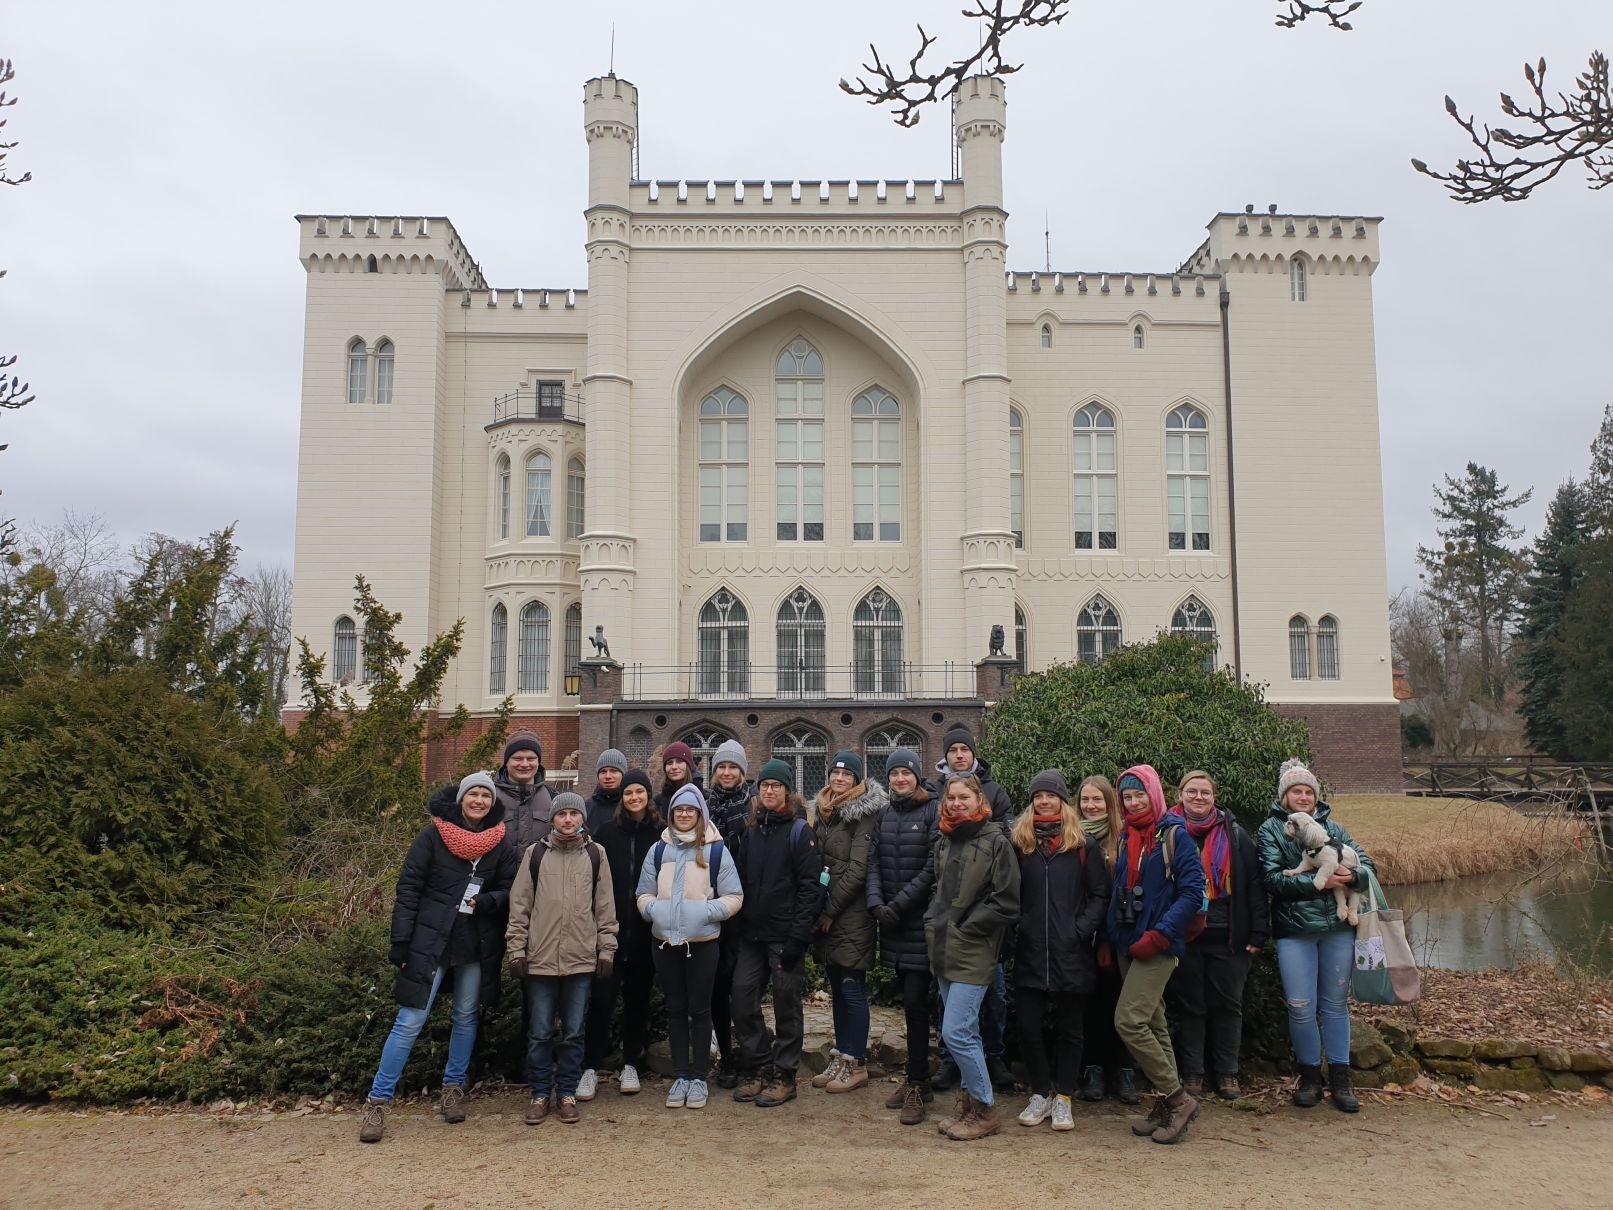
point(716, 861)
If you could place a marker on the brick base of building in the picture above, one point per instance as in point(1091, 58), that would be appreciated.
point(557, 733)
point(1355, 748)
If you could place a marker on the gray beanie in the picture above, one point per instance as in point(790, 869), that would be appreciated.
point(1053, 781)
point(476, 779)
point(610, 758)
point(730, 750)
point(569, 802)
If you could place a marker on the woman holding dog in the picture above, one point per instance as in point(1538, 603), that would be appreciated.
point(1315, 949)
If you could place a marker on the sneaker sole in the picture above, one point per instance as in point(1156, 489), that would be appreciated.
point(1063, 1126)
point(1035, 1122)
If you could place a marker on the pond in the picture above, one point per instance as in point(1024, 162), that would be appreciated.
point(1497, 919)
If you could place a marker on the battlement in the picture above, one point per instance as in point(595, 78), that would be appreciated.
point(1100, 283)
point(348, 243)
point(1342, 243)
point(542, 297)
point(934, 197)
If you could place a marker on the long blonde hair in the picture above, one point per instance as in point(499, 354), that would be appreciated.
point(1071, 837)
point(1111, 803)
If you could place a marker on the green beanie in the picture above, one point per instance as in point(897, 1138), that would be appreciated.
point(779, 771)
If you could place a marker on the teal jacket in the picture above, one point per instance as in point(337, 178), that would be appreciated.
point(1298, 909)
point(976, 901)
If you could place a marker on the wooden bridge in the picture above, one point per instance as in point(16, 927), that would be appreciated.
point(1520, 779)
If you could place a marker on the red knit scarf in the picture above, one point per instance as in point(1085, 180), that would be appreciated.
point(468, 845)
point(1143, 829)
point(949, 822)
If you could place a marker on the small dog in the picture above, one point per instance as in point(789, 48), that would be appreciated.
point(1325, 855)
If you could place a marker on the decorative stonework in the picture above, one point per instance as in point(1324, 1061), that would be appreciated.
point(989, 552)
point(1088, 567)
point(980, 128)
point(520, 433)
point(609, 130)
point(558, 568)
point(887, 561)
point(607, 552)
point(827, 234)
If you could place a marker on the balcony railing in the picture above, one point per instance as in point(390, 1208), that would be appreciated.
point(709, 681)
point(538, 404)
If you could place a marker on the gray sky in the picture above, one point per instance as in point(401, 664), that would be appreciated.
point(155, 297)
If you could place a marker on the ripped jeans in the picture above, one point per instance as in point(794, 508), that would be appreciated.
point(848, 991)
point(1316, 971)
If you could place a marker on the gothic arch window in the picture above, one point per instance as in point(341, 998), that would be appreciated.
point(879, 743)
point(876, 467)
point(1047, 336)
point(576, 496)
point(876, 646)
point(370, 264)
point(724, 467)
point(532, 649)
point(1097, 630)
point(798, 442)
point(538, 474)
point(806, 750)
point(1096, 479)
point(571, 653)
point(344, 652)
point(1022, 639)
point(1016, 476)
point(1299, 648)
point(723, 667)
point(801, 641)
point(1187, 479)
point(358, 368)
point(1193, 617)
point(502, 474)
point(383, 372)
point(498, 636)
point(1327, 648)
point(1137, 336)
point(704, 741)
point(1296, 280)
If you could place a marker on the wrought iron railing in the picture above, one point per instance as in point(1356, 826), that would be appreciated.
point(714, 681)
point(538, 404)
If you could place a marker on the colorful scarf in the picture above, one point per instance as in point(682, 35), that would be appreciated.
point(468, 845)
point(1214, 839)
point(949, 823)
point(1049, 833)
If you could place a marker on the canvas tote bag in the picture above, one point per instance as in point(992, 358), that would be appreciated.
point(1384, 970)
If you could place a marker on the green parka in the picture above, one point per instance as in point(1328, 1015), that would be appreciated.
point(976, 901)
point(844, 840)
point(1298, 909)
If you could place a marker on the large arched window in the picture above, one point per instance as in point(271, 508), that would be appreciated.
point(879, 743)
point(876, 646)
point(571, 653)
point(1327, 648)
point(532, 653)
point(498, 635)
point(798, 443)
point(1022, 640)
point(503, 476)
point(383, 372)
point(806, 751)
point(876, 467)
point(538, 513)
point(1296, 280)
point(1016, 476)
point(1096, 479)
point(1299, 648)
point(344, 652)
point(1187, 479)
point(800, 641)
point(704, 742)
point(576, 486)
point(358, 369)
point(724, 647)
point(1097, 630)
point(1193, 617)
point(724, 467)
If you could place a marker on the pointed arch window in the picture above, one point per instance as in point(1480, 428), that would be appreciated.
point(703, 743)
point(1096, 479)
point(1187, 479)
point(876, 646)
point(503, 476)
point(724, 467)
point(344, 652)
point(1296, 280)
point(879, 743)
point(1193, 617)
point(365, 671)
point(1016, 476)
point(1022, 640)
point(1047, 336)
point(538, 474)
point(800, 639)
point(806, 750)
point(358, 369)
point(798, 442)
point(532, 652)
point(1299, 648)
point(876, 467)
point(723, 668)
point(571, 653)
point(1137, 336)
point(498, 634)
point(576, 498)
point(383, 372)
point(1097, 630)
point(1327, 648)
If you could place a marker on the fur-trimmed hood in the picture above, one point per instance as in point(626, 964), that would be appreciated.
point(862, 800)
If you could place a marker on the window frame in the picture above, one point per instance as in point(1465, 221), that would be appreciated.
point(539, 491)
point(503, 481)
point(1016, 476)
point(808, 742)
point(805, 679)
point(576, 498)
point(571, 651)
point(532, 666)
point(797, 472)
point(344, 651)
point(726, 473)
point(1194, 485)
point(722, 647)
point(1092, 622)
point(385, 372)
point(881, 472)
point(1327, 662)
point(498, 650)
point(358, 370)
point(1299, 653)
point(1298, 280)
point(874, 673)
point(1188, 618)
point(889, 736)
point(1087, 482)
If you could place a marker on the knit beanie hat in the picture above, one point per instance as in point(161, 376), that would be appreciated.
point(1294, 773)
point(1053, 782)
point(610, 758)
point(1131, 782)
point(733, 751)
point(568, 802)
point(850, 762)
point(476, 779)
point(959, 735)
point(779, 771)
point(689, 794)
point(637, 777)
point(678, 751)
point(523, 741)
point(903, 758)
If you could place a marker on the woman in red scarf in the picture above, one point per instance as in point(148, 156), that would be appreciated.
point(1206, 991)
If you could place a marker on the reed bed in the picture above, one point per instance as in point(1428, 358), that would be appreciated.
point(1436, 839)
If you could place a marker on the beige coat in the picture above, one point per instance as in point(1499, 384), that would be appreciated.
point(567, 922)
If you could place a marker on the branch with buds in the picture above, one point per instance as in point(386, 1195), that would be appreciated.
point(1334, 10)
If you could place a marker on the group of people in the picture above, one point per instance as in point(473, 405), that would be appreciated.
point(1103, 906)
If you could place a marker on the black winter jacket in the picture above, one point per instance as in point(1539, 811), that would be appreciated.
point(600, 808)
point(1062, 901)
point(1249, 922)
point(626, 845)
point(1002, 810)
point(526, 809)
point(730, 812)
point(780, 877)
point(901, 873)
point(430, 887)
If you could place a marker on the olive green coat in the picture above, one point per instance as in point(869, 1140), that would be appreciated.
point(844, 841)
point(976, 901)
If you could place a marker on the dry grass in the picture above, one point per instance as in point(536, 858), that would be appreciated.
point(1434, 839)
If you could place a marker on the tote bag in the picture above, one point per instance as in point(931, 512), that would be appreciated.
point(1384, 970)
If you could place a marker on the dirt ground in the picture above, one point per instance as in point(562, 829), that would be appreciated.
point(820, 1151)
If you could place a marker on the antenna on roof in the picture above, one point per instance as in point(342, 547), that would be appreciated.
point(613, 48)
point(1047, 241)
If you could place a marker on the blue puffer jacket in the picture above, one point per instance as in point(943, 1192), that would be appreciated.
point(677, 897)
point(1169, 901)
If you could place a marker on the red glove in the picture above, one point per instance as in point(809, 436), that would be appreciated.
point(1106, 956)
point(1151, 944)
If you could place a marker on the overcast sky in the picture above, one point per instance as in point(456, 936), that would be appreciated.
point(156, 301)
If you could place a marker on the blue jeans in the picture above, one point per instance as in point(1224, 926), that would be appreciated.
point(553, 1066)
point(1316, 972)
point(848, 992)
point(993, 1019)
point(960, 1030)
point(406, 1029)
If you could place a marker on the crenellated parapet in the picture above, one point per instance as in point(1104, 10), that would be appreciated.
point(820, 196)
point(347, 243)
point(1254, 243)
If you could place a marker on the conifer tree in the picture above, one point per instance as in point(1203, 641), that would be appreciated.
point(1556, 571)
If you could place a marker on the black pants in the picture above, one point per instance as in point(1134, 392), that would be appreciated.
point(1101, 1043)
point(916, 1004)
point(631, 979)
point(758, 967)
point(686, 973)
point(1065, 1014)
point(722, 1014)
point(1207, 994)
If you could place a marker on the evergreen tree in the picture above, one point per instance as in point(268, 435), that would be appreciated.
point(1599, 483)
point(1584, 707)
point(1556, 571)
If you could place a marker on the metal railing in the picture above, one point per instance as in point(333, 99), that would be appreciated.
point(714, 682)
point(537, 405)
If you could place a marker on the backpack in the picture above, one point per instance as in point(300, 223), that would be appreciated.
point(716, 860)
point(594, 852)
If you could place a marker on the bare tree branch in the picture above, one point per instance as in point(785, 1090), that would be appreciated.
point(13, 391)
point(6, 75)
point(1334, 10)
point(1575, 127)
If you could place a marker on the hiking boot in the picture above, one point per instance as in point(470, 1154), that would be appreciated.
point(821, 1080)
point(536, 1111)
point(1126, 1087)
point(1092, 1084)
point(914, 1095)
point(1180, 1109)
point(587, 1085)
point(1338, 1084)
point(627, 1080)
point(946, 1076)
point(750, 1086)
point(981, 1122)
point(997, 1072)
point(853, 1075)
point(1063, 1114)
point(1155, 1119)
point(677, 1094)
point(567, 1112)
point(727, 1072)
point(1308, 1092)
point(780, 1088)
point(961, 1109)
point(1194, 1085)
point(898, 1098)
point(1228, 1088)
point(452, 1104)
point(698, 1092)
point(1038, 1110)
point(373, 1124)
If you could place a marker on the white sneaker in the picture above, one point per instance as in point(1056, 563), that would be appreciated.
point(588, 1085)
point(697, 1095)
point(1037, 1111)
point(677, 1094)
point(1063, 1119)
point(627, 1081)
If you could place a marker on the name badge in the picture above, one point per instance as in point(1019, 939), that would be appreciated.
point(471, 889)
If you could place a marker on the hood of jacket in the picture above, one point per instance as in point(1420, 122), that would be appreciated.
point(945, 773)
point(506, 782)
point(870, 802)
point(444, 804)
point(1281, 813)
point(1150, 780)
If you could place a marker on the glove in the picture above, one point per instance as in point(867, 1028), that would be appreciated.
point(791, 954)
point(1106, 956)
point(1196, 926)
point(1151, 944)
point(887, 915)
point(602, 968)
point(398, 955)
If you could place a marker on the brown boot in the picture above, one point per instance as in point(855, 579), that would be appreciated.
point(373, 1124)
point(899, 1098)
point(1180, 1109)
point(830, 1071)
point(853, 1075)
point(1194, 1085)
point(537, 1110)
point(961, 1109)
point(780, 1088)
point(982, 1122)
point(567, 1112)
point(750, 1086)
point(1155, 1119)
point(1228, 1088)
point(913, 1098)
point(453, 1102)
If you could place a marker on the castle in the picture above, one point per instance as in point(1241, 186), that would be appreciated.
point(800, 445)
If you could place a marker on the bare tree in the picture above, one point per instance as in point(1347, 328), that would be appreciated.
point(1446, 676)
point(13, 391)
point(82, 552)
point(266, 595)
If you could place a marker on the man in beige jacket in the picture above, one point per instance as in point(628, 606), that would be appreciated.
point(561, 936)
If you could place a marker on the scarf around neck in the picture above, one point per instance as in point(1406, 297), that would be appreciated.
point(1096, 829)
point(1214, 839)
point(1049, 833)
point(1142, 830)
point(967, 826)
point(465, 844)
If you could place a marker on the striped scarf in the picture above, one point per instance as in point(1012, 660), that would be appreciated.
point(468, 845)
point(1214, 839)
